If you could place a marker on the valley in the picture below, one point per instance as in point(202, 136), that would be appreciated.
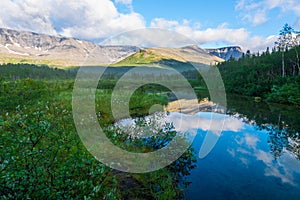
point(44, 155)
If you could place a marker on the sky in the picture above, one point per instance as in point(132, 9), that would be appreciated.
point(251, 24)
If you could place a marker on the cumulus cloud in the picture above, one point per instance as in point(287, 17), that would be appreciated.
point(27, 15)
point(126, 2)
point(150, 37)
point(251, 140)
point(99, 19)
point(86, 19)
point(256, 11)
point(222, 33)
point(205, 121)
point(203, 36)
point(283, 168)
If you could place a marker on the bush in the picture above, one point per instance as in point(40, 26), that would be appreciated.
point(42, 157)
point(287, 94)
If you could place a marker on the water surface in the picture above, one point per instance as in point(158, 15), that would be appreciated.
point(256, 157)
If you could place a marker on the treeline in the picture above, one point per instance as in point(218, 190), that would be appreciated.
point(12, 72)
point(263, 75)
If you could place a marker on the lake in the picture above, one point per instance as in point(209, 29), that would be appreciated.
point(256, 156)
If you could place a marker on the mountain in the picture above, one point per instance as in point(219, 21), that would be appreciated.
point(168, 56)
point(227, 52)
point(64, 52)
point(29, 47)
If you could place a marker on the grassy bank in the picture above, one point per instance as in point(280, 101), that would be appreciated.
point(42, 156)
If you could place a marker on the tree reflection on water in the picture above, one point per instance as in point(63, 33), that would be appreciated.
point(280, 121)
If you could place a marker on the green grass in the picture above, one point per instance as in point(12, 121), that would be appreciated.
point(43, 157)
point(146, 58)
point(4, 59)
point(140, 58)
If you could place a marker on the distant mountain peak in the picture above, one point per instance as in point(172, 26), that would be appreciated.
point(227, 53)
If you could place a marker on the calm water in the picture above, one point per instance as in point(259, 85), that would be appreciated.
point(256, 157)
point(242, 166)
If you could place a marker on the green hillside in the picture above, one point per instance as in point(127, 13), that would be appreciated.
point(182, 55)
point(143, 57)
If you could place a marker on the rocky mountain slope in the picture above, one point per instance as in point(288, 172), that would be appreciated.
point(227, 52)
point(28, 47)
point(59, 51)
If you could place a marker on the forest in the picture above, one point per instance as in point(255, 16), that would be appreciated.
point(273, 75)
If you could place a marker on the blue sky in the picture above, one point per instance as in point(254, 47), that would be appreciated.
point(251, 24)
point(208, 13)
point(211, 14)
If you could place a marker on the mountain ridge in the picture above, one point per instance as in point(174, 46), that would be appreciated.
point(35, 48)
point(227, 53)
point(187, 54)
point(64, 52)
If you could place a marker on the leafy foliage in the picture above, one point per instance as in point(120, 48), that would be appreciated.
point(286, 94)
point(261, 76)
point(41, 155)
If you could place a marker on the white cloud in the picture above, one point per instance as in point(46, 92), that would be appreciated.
point(150, 37)
point(202, 36)
point(163, 23)
point(204, 121)
point(259, 43)
point(126, 2)
point(251, 140)
point(87, 19)
point(98, 19)
point(264, 156)
point(285, 177)
point(283, 168)
point(28, 15)
point(256, 12)
point(259, 18)
point(222, 33)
